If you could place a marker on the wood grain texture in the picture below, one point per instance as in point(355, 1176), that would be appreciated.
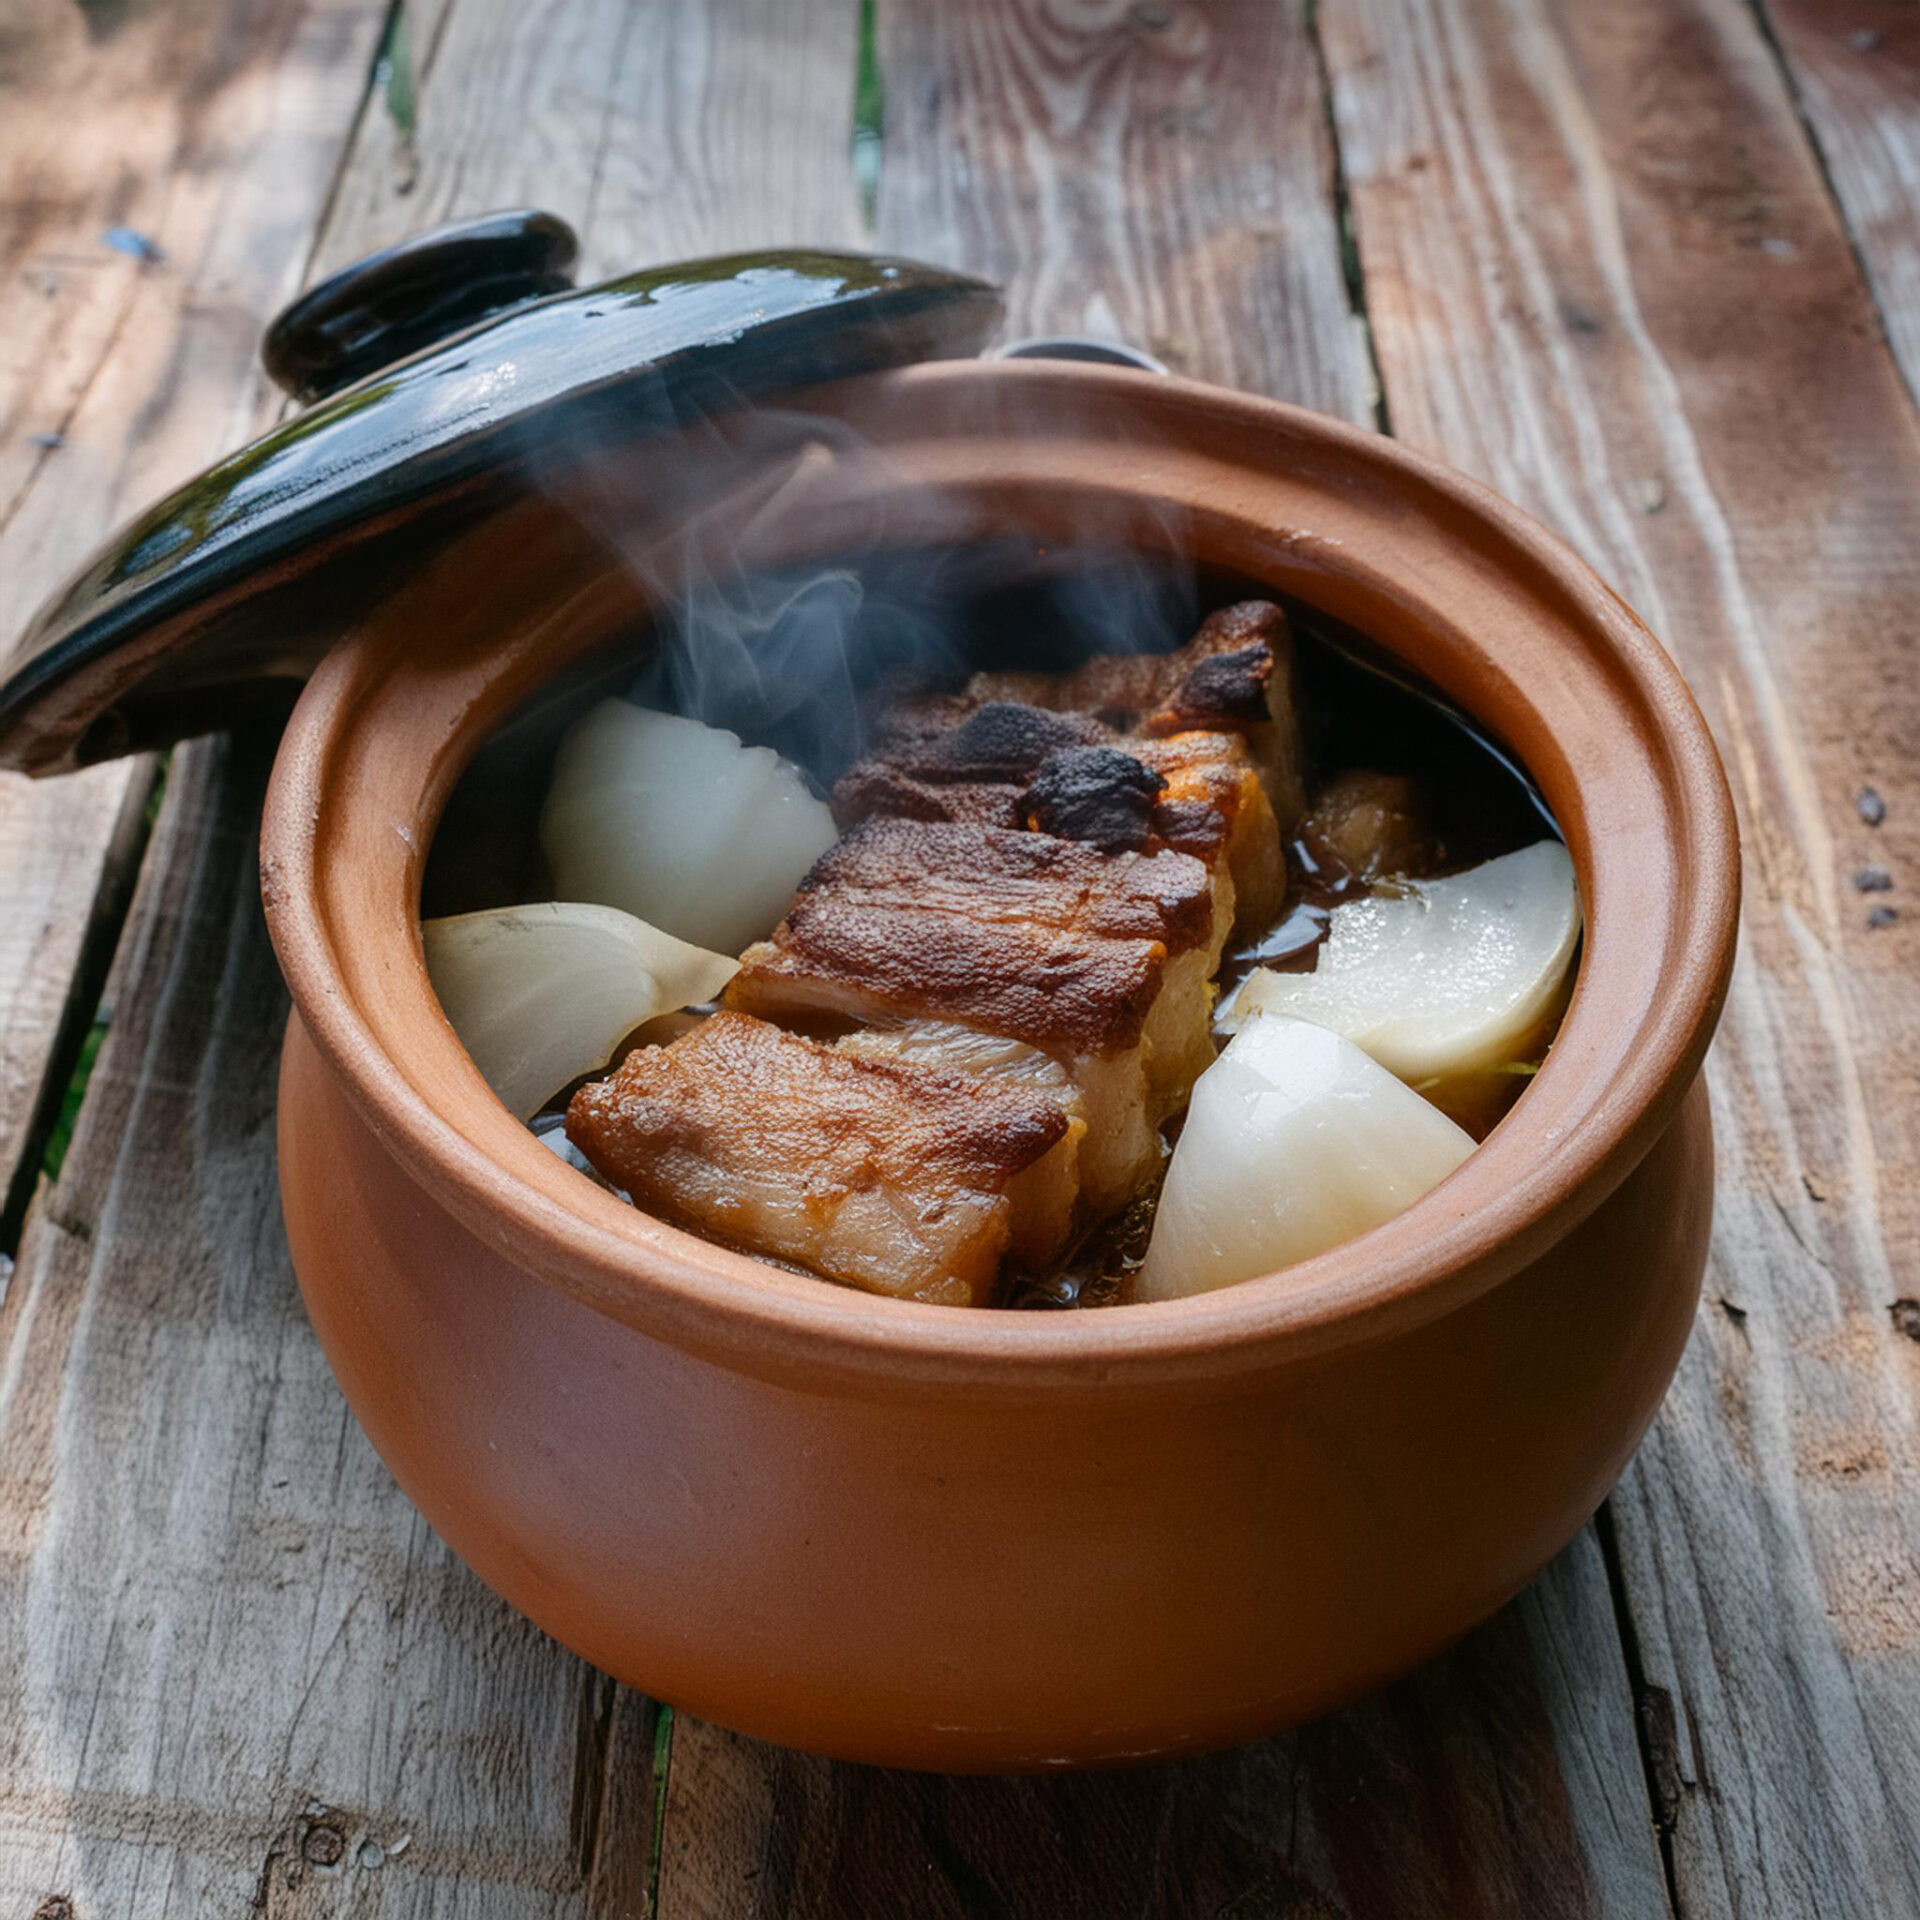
point(1159, 173)
point(1605, 275)
point(234, 1671)
point(213, 134)
point(237, 1672)
point(1854, 69)
point(662, 130)
point(1127, 171)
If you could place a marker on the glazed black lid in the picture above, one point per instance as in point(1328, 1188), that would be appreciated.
point(437, 370)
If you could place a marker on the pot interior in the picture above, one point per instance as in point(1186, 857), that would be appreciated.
point(438, 720)
point(808, 660)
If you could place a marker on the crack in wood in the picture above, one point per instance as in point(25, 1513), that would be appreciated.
point(106, 915)
point(592, 1750)
point(1351, 268)
point(1655, 1725)
point(1790, 80)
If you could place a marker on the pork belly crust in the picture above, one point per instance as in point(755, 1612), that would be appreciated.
point(994, 874)
point(1096, 795)
point(874, 786)
point(948, 757)
point(889, 1175)
point(1234, 676)
point(1227, 672)
point(879, 963)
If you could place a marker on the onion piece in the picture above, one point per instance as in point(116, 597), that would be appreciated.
point(1294, 1142)
point(1439, 979)
point(680, 824)
point(540, 995)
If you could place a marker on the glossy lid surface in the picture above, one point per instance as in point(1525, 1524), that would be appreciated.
point(234, 585)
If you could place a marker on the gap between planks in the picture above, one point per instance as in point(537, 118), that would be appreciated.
point(1853, 73)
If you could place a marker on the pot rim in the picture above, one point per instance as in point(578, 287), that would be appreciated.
point(1604, 1096)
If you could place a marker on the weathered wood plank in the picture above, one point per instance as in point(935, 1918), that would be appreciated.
point(660, 131)
point(1854, 68)
point(237, 1667)
point(1156, 173)
point(1164, 174)
point(260, 1661)
point(1604, 273)
point(212, 134)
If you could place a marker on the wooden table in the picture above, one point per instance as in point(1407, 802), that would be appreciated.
point(1650, 267)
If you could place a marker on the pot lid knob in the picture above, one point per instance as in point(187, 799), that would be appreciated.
point(405, 297)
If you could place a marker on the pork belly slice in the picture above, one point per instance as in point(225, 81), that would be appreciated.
point(1234, 676)
point(946, 757)
point(1127, 1022)
point(889, 1175)
point(1241, 681)
point(1050, 1187)
point(941, 758)
point(980, 878)
point(1037, 879)
point(1210, 805)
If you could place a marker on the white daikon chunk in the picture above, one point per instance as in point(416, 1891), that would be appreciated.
point(680, 825)
point(1440, 978)
point(540, 995)
point(1295, 1141)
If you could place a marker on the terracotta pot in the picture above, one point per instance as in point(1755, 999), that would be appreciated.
point(934, 1538)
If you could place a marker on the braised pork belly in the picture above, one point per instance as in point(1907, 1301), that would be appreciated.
point(893, 1175)
point(1082, 987)
point(1014, 940)
point(1100, 961)
point(1214, 719)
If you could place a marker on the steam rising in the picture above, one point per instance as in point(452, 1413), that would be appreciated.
point(902, 586)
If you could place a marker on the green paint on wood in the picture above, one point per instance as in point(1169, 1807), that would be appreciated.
point(54, 1153)
point(393, 73)
point(869, 114)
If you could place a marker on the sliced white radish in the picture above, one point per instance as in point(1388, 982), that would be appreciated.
point(540, 995)
point(1295, 1141)
point(1440, 978)
point(680, 824)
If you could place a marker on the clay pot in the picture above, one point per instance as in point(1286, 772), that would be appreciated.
point(955, 1540)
